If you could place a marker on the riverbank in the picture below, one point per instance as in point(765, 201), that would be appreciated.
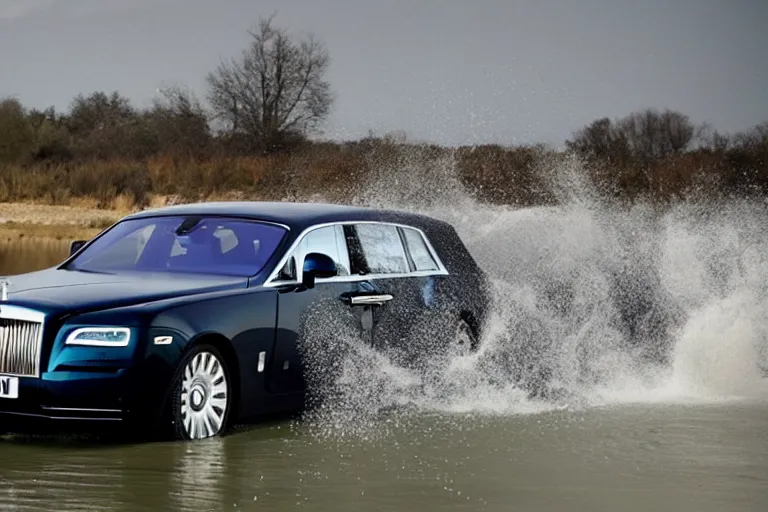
point(35, 222)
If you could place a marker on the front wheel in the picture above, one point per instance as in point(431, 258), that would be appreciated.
point(465, 340)
point(202, 394)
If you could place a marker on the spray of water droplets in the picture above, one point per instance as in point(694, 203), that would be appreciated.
point(594, 305)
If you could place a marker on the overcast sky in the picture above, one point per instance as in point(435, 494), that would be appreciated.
point(449, 71)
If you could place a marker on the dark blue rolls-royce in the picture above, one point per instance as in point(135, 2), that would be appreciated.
point(189, 318)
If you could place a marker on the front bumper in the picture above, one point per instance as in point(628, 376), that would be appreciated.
point(82, 401)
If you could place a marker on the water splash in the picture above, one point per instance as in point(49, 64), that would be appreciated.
point(595, 304)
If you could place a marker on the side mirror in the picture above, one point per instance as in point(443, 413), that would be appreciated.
point(317, 265)
point(76, 246)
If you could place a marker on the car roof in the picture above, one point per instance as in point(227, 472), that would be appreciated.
point(294, 215)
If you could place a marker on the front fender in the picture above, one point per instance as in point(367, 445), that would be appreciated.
point(246, 320)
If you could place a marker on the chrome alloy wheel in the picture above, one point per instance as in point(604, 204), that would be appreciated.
point(204, 396)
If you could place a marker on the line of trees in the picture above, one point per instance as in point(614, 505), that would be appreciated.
point(251, 138)
point(102, 126)
point(657, 149)
point(269, 99)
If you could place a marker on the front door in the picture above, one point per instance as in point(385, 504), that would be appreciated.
point(314, 324)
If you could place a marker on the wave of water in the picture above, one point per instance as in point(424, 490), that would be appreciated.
point(594, 305)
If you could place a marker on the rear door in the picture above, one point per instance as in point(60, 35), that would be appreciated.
point(310, 321)
point(399, 276)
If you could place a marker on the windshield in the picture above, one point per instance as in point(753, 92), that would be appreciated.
point(202, 245)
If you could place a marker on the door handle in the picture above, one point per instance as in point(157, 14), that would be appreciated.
point(371, 300)
point(367, 300)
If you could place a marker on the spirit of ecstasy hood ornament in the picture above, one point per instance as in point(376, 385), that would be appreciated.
point(4, 289)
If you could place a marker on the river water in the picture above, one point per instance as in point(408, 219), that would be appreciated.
point(639, 458)
point(620, 429)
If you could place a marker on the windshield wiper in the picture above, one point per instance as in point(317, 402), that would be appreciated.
point(88, 271)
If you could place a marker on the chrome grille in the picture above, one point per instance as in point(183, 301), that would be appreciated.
point(21, 335)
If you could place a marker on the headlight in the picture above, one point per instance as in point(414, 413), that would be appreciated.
point(100, 336)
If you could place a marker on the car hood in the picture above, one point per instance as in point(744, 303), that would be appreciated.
point(55, 290)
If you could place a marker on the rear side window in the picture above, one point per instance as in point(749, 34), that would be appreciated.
point(422, 258)
point(380, 250)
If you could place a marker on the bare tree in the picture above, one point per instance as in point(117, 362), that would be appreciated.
point(710, 139)
point(643, 137)
point(755, 137)
point(275, 91)
point(106, 126)
point(179, 122)
point(15, 134)
point(600, 140)
point(654, 135)
point(99, 111)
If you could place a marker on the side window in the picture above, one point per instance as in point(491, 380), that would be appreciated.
point(327, 240)
point(381, 250)
point(420, 254)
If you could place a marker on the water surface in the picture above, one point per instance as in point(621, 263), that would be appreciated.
point(628, 458)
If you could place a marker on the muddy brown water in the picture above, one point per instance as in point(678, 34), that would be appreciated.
point(668, 455)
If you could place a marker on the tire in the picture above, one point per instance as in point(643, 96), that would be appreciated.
point(465, 339)
point(202, 395)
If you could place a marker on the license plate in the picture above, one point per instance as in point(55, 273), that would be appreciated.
point(9, 387)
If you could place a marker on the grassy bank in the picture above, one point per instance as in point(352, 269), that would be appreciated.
point(33, 222)
point(33, 232)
